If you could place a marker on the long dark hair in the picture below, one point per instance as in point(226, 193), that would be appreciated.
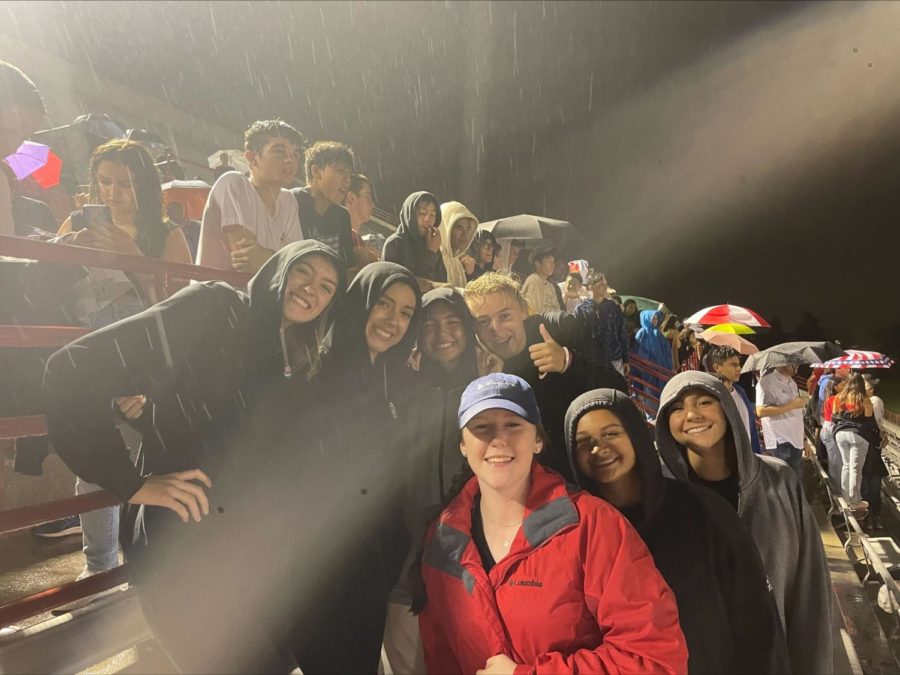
point(152, 229)
point(852, 399)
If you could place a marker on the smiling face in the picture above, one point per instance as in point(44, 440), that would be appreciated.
point(114, 185)
point(499, 323)
point(500, 447)
point(311, 284)
point(389, 319)
point(426, 216)
point(697, 421)
point(603, 450)
point(461, 234)
point(443, 336)
point(276, 164)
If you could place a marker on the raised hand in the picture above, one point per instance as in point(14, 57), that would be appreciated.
point(548, 356)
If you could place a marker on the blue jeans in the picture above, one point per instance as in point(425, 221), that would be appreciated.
point(853, 449)
point(792, 456)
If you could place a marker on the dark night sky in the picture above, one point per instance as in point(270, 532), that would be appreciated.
point(709, 152)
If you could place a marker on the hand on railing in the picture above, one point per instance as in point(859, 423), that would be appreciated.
point(174, 491)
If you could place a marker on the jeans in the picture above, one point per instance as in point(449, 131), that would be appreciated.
point(853, 449)
point(835, 463)
point(791, 456)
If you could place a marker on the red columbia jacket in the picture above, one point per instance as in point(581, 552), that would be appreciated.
point(577, 593)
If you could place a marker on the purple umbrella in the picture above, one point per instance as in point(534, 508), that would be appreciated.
point(28, 158)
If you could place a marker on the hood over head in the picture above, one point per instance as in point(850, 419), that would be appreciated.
point(647, 319)
point(673, 454)
point(468, 363)
point(408, 224)
point(647, 459)
point(362, 294)
point(266, 291)
point(450, 213)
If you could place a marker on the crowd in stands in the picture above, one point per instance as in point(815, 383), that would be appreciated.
point(423, 448)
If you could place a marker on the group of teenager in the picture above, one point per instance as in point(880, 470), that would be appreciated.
point(406, 456)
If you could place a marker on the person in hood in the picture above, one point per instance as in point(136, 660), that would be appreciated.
point(416, 245)
point(229, 379)
point(725, 605)
point(450, 358)
point(458, 226)
point(701, 439)
point(549, 351)
point(651, 345)
point(368, 415)
point(524, 573)
point(484, 251)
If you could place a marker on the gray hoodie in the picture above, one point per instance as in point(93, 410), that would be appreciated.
point(772, 506)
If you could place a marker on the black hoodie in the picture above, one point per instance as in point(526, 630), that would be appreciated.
point(211, 363)
point(366, 417)
point(406, 246)
point(725, 605)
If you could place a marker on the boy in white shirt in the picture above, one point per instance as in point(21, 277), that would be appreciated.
point(247, 219)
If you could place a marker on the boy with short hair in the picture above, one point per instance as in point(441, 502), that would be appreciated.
point(329, 168)
point(725, 364)
point(247, 219)
point(605, 324)
point(538, 289)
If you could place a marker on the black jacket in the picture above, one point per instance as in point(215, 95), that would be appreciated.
point(725, 605)
point(556, 391)
point(211, 362)
point(331, 228)
point(406, 246)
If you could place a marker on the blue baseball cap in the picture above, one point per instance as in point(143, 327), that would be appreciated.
point(498, 390)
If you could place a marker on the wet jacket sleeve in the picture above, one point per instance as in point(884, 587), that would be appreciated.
point(630, 601)
point(140, 355)
point(757, 634)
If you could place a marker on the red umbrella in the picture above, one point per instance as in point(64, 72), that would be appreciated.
point(710, 316)
point(48, 175)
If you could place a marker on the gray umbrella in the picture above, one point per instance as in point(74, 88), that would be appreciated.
point(792, 354)
point(525, 226)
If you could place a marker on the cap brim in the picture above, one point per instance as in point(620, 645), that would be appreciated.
point(492, 404)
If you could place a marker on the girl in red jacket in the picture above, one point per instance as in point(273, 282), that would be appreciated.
point(524, 575)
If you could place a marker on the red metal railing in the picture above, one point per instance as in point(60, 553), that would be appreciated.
point(166, 276)
point(645, 394)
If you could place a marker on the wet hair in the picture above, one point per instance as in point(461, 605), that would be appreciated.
point(357, 180)
point(323, 154)
point(459, 481)
point(483, 237)
point(539, 255)
point(853, 397)
point(719, 355)
point(152, 230)
point(494, 282)
point(257, 135)
point(16, 88)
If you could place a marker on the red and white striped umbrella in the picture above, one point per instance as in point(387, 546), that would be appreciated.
point(858, 359)
point(710, 316)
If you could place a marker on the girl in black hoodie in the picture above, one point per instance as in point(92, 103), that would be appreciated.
point(416, 245)
point(367, 418)
point(725, 606)
point(230, 380)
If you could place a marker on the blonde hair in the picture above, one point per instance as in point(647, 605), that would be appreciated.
point(495, 282)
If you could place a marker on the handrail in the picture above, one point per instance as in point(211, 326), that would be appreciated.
point(39, 336)
point(20, 427)
point(46, 512)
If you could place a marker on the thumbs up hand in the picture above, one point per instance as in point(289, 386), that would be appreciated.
point(548, 356)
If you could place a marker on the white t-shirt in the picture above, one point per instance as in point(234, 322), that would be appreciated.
point(742, 409)
point(540, 294)
point(234, 201)
point(774, 389)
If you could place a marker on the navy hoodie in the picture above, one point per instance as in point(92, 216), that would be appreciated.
point(406, 246)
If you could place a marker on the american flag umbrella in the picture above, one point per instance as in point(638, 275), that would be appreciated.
point(710, 316)
point(858, 359)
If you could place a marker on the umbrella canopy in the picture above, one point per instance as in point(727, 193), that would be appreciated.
point(233, 158)
point(792, 354)
point(645, 303)
point(191, 194)
point(710, 316)
point(525, 226)
point(35, 160)
point(733, 328)
point(858, 359)
point(728, 340)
